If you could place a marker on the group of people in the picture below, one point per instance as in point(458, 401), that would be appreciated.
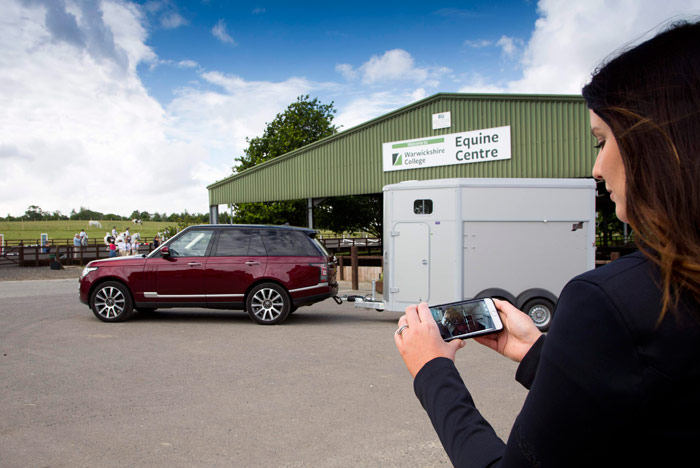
point(121, 244)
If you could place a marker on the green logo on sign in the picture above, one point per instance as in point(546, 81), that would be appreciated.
point(396, 159)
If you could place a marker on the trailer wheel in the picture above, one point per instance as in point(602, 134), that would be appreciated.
point(541, 311)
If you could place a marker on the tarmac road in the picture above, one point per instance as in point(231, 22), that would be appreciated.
point(199, 388)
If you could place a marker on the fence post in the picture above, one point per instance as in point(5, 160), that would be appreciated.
point(355, 270)
point(21, 253)
point(341, 265)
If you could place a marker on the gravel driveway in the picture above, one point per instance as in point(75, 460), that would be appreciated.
point(15, 273)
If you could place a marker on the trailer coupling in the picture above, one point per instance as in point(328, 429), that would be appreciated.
point(366, 302)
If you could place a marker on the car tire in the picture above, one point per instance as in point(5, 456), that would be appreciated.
point(541, 311)
point(268, 304)
point(111, 302)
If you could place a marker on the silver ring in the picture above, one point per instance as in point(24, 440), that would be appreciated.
point(401, 329)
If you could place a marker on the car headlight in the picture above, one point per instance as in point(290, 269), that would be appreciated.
point(87, 270)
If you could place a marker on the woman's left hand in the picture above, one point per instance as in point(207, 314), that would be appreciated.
point(420, 341)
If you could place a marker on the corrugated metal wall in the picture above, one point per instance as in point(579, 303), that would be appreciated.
point(550, 137)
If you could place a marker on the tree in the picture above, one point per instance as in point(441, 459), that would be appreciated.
point(353, 213)
point(86, 214)
point(303, 122)
point(34, 213)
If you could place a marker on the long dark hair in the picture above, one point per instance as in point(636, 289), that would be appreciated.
point(650, 98)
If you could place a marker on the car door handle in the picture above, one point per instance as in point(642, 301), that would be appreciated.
point(194, 264)
point(252, 262)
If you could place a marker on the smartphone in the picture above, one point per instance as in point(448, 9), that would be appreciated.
point(467, 319)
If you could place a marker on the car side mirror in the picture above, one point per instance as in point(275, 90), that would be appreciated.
point(164, 252)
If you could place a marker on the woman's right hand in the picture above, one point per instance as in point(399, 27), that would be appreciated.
point(518, 335)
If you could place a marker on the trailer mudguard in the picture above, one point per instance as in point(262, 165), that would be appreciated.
point(525, 296)
point(498, 293)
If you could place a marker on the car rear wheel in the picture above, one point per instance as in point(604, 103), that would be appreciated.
point(268, 304)
point(111, 302)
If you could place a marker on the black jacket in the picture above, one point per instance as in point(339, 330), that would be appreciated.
point(608, 386)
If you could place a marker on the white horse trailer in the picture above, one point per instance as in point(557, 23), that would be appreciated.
point(521, 240)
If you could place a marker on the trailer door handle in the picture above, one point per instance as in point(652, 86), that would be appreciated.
point(424, 262)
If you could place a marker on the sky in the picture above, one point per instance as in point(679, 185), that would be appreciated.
point(117, 105)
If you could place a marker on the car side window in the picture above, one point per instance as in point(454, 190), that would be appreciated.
point(283, 243)
point(239, 243)
point(191, 244)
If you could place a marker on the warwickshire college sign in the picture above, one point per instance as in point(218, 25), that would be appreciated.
point(490, 144)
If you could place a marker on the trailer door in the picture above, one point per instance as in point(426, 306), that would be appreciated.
point(411, 268)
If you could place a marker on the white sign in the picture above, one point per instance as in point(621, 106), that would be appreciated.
point(489, 144)
point(442, 120)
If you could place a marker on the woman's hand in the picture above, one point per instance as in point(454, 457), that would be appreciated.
point(518, 335)
point(420, 341)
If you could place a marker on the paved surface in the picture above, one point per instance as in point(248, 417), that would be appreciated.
point(207, 388)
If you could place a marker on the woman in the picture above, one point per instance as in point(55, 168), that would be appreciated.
point(616, 381)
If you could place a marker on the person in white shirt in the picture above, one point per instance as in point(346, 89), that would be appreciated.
point(121, 244)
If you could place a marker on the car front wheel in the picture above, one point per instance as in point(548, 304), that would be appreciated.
point(268, 304)
point(111, 302)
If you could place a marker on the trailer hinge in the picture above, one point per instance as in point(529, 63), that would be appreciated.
point(394, 233)
point(393, 290)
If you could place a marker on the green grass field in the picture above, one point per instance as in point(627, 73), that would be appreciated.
point(59, 231)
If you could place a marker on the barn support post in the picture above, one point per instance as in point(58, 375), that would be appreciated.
point(310, 203)
point(310, 211)
point(214, 214)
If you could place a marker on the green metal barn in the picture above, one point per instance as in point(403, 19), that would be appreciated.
point(548, 135)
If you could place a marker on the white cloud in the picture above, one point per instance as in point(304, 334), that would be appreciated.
point(571, 38)
point(477, 83)
point(78, 128)
point(478, 43)
point(393, 65)
point(221, 120)
point(172, 20)
point(509, 45)
point(187, 64)
point(396, 64)
point(346, 70)
point(219, 31)
point(369, 106)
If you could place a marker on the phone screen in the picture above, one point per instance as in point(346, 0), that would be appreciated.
point(466, 319)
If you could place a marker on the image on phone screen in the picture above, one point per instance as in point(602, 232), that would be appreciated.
point(466, 319)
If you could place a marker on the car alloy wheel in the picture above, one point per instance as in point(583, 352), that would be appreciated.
point(111, 302)
point(268, 304)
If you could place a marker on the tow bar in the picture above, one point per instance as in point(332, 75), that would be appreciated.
point(368, 301)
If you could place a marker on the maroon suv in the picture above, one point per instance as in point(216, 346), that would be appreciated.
point(268, 271)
